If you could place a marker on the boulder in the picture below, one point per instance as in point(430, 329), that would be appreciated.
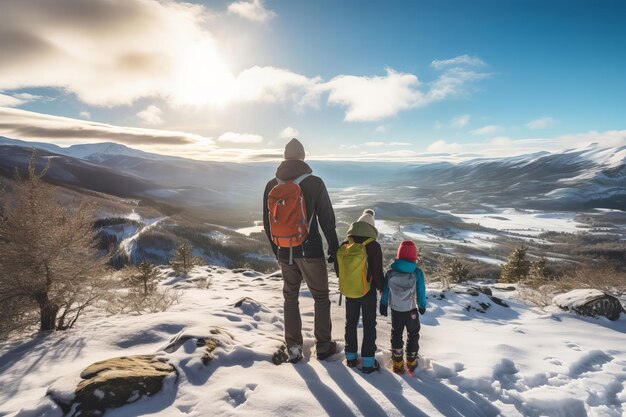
point(590, 302)
point(115, 382)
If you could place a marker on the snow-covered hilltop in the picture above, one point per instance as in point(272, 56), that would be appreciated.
point(486, 359)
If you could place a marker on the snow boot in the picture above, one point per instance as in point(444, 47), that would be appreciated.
point(397, 360)
point(352, 359)
point(369, 365)
point(411, 361)
point(295, 354)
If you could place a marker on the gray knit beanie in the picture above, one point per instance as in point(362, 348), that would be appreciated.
point(294, 150)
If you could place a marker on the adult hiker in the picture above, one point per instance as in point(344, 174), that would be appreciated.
point(293, 204)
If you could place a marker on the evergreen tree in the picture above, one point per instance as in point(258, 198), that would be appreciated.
point(48, 254)
point(183, 260)
point(146, 276)
point(517, 266)
point(456, 270)
point(537, 273)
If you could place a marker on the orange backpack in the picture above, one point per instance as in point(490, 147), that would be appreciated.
point(289, 225)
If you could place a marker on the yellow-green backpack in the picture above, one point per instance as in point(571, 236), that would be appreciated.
point(352, 268)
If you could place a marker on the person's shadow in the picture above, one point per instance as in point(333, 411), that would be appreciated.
point(363, 400)
point(446, 400)
point(328, 399)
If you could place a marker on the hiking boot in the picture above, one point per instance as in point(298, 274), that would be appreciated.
point(295, 354)
point(332, 349)
point(352, 359)
point(351, 363)
point(397, 360)
point(411, 360)
point(370, 369)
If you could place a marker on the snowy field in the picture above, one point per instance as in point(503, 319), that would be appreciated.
point(517, 361)
point(529, 223)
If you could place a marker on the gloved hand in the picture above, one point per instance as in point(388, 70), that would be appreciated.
point(422, 311)
point(331, 259)
point(383, 309)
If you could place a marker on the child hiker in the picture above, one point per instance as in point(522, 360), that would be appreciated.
point(405, 292)
point(359, 266)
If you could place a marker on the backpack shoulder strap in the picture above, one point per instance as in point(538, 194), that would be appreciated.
point(368, 241)
point(296, 180)
point(299, 179)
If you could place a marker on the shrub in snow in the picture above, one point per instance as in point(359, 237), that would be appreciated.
point(590, 302)
point(48, 255)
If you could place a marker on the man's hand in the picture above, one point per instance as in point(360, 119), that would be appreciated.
point(383, 309)
point(422, 311)
point(331, 259)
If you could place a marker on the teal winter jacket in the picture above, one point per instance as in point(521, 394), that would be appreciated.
point(399, 291)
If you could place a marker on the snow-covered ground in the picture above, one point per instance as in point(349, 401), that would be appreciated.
point(517, 361)
point(529, 223)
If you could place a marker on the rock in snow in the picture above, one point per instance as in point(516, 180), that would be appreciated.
point(590, 302)
point(116, 382)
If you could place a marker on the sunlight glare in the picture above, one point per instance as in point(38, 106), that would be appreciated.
point(202, 77)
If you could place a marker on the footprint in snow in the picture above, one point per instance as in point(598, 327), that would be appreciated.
point(573, 346)
point(238, 396)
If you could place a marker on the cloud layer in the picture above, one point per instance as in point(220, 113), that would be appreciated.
point(22, 124)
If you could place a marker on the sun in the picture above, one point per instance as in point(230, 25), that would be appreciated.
point(202, 76)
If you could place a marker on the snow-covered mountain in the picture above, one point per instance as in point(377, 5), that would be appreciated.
point(577, 179)
point(90, 151)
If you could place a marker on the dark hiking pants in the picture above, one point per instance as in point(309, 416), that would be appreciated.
point(366, 306)
point(313, 272)
point(409, 320)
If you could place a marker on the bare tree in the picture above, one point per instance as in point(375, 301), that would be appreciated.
point(48, 255)
point(146, 276)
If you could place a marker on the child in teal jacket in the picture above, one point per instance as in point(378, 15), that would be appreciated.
point(405, 292)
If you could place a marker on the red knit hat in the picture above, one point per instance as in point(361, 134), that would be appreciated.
point(408, 251)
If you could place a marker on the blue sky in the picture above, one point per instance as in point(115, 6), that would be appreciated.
point(367, 79)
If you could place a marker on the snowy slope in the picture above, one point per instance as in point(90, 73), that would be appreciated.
point(516, 361)
point(89, 151)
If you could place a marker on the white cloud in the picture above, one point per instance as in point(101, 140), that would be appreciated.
point(26, 125)
point(151, 115)
point(289, 133)
point(253, 10)
point(443, 146)
point(460, 121)
point(379, 97)
point(486, 130)
point(269, 84)
point(375, 144)
point(380, 129)
point(458, 61)
point(374, 98)
point(109, 52)
point(540, 123)
point(10, 101)
point(501, 141)
point(233, 137)
point(85, 114)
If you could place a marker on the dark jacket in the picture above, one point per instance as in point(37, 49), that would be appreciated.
point(360, 232)
point(318, 208)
